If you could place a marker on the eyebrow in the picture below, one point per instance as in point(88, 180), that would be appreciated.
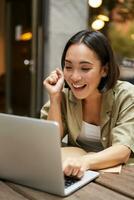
point(82, 62)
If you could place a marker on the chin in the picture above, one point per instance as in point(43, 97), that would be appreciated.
point(80, 97)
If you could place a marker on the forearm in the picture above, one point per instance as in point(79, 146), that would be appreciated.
point(55, 113)
point(109, 157)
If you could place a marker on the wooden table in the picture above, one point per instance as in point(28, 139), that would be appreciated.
point(107, 186)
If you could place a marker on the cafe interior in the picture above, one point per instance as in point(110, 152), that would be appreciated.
point(24, 33)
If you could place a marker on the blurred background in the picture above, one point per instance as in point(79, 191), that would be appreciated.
point(33, 34)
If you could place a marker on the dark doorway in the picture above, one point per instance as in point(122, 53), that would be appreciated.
point(24, 35)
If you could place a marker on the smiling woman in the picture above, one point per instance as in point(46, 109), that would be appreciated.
point(83, 71)
point(93, 108)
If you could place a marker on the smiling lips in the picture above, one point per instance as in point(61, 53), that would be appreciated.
point(80, 86)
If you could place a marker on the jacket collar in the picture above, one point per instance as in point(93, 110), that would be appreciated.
point(106, 108)
point(72, 98)
point(77, 108)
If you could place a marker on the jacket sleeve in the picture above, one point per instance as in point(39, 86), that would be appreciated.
point(45, 110)
point(123, 131)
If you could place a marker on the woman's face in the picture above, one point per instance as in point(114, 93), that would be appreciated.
point(83, 71)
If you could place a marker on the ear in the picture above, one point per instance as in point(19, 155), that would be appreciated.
point(104, 71)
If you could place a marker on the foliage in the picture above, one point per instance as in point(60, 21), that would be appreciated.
point(122, 43)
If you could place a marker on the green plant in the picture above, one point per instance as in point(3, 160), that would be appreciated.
point(122, 42)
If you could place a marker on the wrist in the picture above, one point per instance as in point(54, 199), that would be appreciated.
point(56, 98)
point(89, 160)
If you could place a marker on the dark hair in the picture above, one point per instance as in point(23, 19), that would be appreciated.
point(96, 41)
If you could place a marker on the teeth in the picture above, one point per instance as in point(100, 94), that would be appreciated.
point(77, 86)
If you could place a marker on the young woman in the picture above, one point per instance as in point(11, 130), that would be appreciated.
point(93, 107)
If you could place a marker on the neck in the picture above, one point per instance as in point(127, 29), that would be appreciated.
point(95, 98)
point(91, 109)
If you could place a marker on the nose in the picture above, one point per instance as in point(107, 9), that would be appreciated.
point(75, 76)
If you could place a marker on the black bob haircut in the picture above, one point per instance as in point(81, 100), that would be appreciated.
point(97, 42)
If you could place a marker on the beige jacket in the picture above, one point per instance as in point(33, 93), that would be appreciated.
point(117, 115)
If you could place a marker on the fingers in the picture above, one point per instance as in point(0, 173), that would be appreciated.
point(53, 78)
point(73, 167)
point(60, 77)
point(54, 82)
point(59, 72)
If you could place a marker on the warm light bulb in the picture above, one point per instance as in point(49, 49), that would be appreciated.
point(103, 18)
point(98, 24)
point(132, 36)
point(95, 3)
point(26, 36)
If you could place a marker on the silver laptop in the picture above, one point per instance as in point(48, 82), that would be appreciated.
point(30, 154)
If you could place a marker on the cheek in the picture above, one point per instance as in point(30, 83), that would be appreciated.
point(93, 77)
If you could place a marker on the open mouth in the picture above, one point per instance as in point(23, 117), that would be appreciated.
point(79, 86)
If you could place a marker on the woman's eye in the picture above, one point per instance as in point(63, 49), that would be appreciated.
point(86, 69)
point(68, 67)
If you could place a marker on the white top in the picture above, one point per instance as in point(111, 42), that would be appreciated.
point(90, 137)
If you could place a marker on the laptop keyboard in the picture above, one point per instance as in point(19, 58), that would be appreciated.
point(70, 181)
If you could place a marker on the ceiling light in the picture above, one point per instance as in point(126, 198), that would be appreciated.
point(98, 24)
point(95, 3)
point(103, 17)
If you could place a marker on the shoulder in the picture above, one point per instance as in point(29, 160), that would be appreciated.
point(124, 89)
point(124, 86)
point(124, 93)
point(119, 98)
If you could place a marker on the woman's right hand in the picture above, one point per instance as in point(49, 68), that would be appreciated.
point(54, 82)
